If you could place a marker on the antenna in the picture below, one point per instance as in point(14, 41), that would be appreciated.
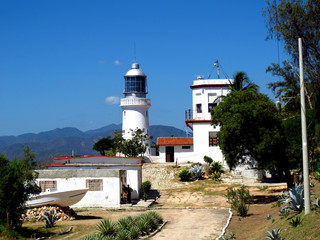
point(134, 53)
point(218, 68)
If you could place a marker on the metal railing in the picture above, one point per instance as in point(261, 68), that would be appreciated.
point(135, 101)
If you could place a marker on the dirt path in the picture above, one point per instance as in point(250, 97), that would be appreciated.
point(185, 224)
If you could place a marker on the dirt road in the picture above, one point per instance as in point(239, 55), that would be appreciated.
point(191, 224)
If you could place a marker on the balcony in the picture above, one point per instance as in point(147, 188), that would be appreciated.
point(192, 115)
point(135, 102)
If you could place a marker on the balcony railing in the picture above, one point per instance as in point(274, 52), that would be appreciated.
point(194, 115)
point(135, 102)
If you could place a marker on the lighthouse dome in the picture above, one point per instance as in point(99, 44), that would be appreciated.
point(135, 82)
point(135, 71)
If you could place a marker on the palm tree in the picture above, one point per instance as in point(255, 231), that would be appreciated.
point(241, 82)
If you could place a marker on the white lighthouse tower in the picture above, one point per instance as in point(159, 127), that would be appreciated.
point(135, 105)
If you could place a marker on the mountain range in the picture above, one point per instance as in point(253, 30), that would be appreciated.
point(64, 141)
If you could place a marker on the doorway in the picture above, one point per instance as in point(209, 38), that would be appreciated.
point(169, 154)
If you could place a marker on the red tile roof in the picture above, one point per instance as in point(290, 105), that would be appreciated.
point(99, 156)
point(165, 141)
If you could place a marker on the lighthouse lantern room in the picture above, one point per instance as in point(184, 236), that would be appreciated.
point(135, 105)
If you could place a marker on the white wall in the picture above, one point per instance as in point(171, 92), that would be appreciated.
point(109, 196)
point(201, 143)
point(183, 155)
point(134, 176)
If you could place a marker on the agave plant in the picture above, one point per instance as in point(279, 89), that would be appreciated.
point(134, 232)
point(275, 234)
point(316, 203)
point(93, 236)
point(295, 221)
point(49, 218)
point(123, 235)
point(107, 227)
point(197, 171)
point(294, 200)
point(125, 223)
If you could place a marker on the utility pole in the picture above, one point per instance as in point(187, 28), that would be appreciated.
point(304, 136)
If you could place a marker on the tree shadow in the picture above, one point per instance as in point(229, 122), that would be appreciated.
point(261, 199)
point(80, 217)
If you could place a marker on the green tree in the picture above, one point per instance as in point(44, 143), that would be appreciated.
point(137, 145)
point(241, 82)
point(117, 143)
point(288, 20)
point(17, 183)
point(103, 145)
point(251, 132)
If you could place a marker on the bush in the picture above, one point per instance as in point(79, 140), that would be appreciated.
point(146, 186)
point(208, 160)
point(216, 176)
point(295, 221)
point(196, 164)
point(197, 171)
point(239, 199)
point(185, 175)
point(216, 167)
point(126, 228)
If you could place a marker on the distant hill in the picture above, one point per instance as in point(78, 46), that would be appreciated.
point(62, 141)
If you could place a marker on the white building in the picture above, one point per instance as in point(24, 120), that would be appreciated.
point(105, 185)
point(104, 176)
point(175, 149)
point(204, 94)
point(135, 105)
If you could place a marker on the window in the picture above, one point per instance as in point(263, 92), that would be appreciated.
point(213, 139)
point(124, 114)
point(47, 184)
point(199, 108)
point(94, 184)
point(211, 106)
point(186, 147)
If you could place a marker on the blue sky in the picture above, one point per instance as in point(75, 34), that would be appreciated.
point(60, 60)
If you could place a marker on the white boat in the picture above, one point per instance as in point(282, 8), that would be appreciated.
point(61, 198)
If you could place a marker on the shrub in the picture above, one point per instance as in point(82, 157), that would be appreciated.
point(197, 171)
point(126, 228)
point(295, 221)
point(146, 186)
point(208, 160)
point(239, 199)
point(216, 176)
point(185, 175)
point(216, 167)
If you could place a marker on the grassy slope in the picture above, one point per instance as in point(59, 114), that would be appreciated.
point(256, 225)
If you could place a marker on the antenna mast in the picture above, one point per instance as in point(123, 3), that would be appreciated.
point(218, 68)
point(134, 52)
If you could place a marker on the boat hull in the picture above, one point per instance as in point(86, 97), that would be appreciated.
point(62, 199)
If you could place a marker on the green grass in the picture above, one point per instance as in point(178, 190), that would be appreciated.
point(308, 229)
point(33, 233)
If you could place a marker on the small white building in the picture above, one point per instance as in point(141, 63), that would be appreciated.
point(117, 171)
point(204, 95)
point(175, 149)
point(105, 185)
